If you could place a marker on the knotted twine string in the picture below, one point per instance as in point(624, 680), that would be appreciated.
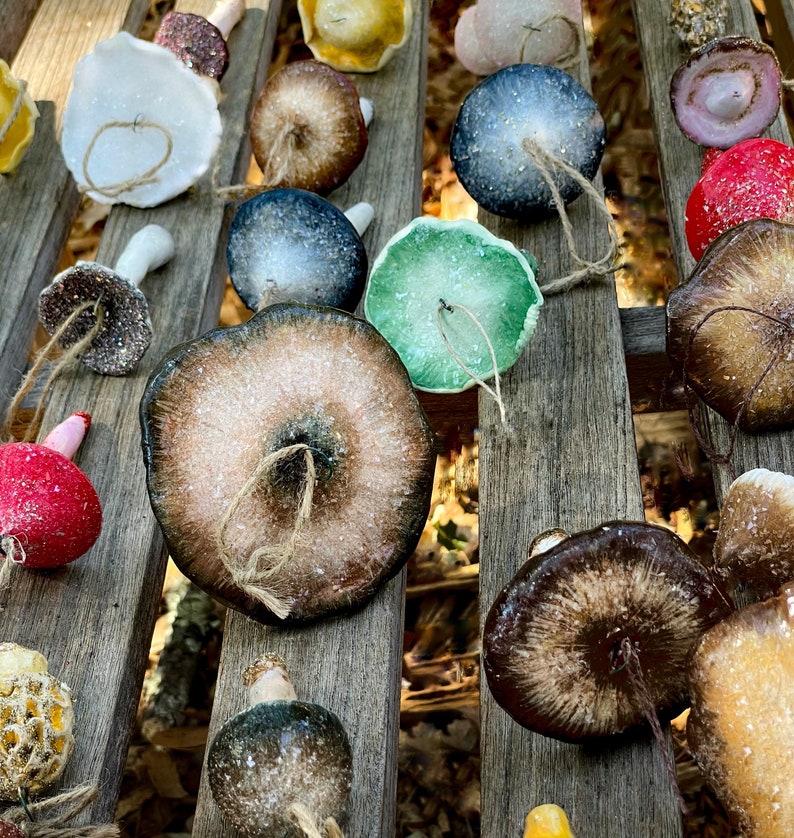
point(14, 112)
point(496, 391)
point(634, 669)
point(693, 408)
point(63, 807)
point(307, 823)
point(265, 562)
point(113, 190)
point(546, 163)
point(567, 59)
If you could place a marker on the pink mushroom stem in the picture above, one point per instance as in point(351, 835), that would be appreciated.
point(67, 437)
point(226, 15)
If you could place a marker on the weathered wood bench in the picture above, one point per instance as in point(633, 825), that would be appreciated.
point(566, 458)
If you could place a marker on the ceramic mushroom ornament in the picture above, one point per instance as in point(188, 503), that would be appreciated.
point(36, 738)
point(521, 129)
point(588, 628)
point(108, 302)
point(290, 244)
point(139, 127)
point(18, 115)
point(308, 129)
point(730, 326)
point(288, 530)
point(50, 513)
point(740, 727)
point(282, 766)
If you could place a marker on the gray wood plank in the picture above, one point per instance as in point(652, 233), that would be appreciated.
point(14, 20)
point(93, 619)
point(566, 458)
point(351, 665)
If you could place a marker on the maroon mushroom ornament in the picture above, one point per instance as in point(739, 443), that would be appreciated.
point(50, 513)
point(592, 635)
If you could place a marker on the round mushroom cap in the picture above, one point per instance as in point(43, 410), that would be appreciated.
point(292, 375)
point(510, 130)
point(553, 641)
point(19, 134)
point(126, 329)
point(740, 728)
point(468, 49)
point(729, 327)
point(727, 91)
point(355, 36)
point(307, 130)
point(428, 286)
point(290, 244)
point(197, 42)
point(274, 756)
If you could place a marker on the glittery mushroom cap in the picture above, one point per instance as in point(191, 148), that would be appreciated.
point(753, 549)
point(555, 640)
point(113, 295)
point(36, 721)
point(355, 36)
point(10, 830)
point(730, 326)
point(740, 728)
point(727, 91)
point(264, 399)
point(307, 128)
point(19, 110)
point(279, 761)
point(290, 244)
point(512, 130)
point(696, 22)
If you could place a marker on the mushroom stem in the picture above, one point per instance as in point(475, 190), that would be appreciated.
point(226, 15)
point(367, 109)
point(67, 437)
point(150, 248)
point(360, 215)
point(267, 679)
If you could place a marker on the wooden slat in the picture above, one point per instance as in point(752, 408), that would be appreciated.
point(565, 458)
point(93, 619)
point(352, 664)
point(679, 161)
point(14, 20)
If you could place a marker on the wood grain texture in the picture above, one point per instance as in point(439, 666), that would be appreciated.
point(15, 18)
point(351, 664)
point(565, 458)
point(93, 619)
point(679, 162)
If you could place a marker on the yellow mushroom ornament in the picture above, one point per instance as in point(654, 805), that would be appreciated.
point(18, 115)
point(547, 821)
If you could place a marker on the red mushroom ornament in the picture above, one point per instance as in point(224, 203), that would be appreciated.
point(50, 513)
point(752, 179)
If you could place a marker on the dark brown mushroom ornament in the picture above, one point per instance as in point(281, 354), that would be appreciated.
point(289, 462)
point(589, 625)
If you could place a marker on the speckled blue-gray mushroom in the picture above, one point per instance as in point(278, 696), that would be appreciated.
point(289, 461)
point(292, 245)
point(282, 768)
point(588, 627)
point(518, 130)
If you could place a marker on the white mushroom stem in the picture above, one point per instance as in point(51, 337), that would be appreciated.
point(226, 15)
point(267, 680)
point(67, 437)
point(367, 109)
point(360, 215)
point(151, 247)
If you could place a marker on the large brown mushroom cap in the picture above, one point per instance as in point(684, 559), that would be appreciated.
point(553, 641)
point(292, 374)
point(741, 725)
point(730, 327)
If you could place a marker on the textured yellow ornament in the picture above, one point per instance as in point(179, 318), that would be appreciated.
point(18, 115)
point(36, 722)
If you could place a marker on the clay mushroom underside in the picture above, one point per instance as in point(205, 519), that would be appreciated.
point(218, 405)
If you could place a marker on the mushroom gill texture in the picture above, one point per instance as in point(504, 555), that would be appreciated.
point(753, 549)
point(555, 640)
point(741, 724)
point(217, 407)
point(730, 327)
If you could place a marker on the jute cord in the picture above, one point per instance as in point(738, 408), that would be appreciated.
point(308, 823)
point(48, 818)
point(496, 391)
point(266, 562)
point(69, 358)
point(14, 112)
point(113, 190)
point(568, 59)
point(546, 163)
